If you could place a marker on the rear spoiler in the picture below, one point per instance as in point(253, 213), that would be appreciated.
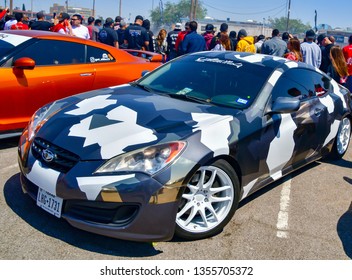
point(151, 56)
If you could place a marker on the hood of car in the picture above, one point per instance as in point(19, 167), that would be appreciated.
point(108, 122)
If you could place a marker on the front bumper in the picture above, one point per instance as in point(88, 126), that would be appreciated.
point(132, 207)
point(128, 221)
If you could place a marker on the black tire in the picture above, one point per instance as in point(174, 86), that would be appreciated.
point(210, 200)
point(342, 139)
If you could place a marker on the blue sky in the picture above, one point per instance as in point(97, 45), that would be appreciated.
point(334, 13)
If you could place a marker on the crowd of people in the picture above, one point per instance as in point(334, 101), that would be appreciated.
point(320, 52)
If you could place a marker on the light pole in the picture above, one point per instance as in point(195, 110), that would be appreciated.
point(288, 14)
point(264, 26)
point(120, 8)
point(93, 11)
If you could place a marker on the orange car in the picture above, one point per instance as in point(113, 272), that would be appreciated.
point(38, 67)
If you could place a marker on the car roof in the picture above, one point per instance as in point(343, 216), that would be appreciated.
point(57, 36)
point(270, 61)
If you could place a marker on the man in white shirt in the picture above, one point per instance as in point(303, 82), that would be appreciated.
point(10, 20)
point(311, 52)
point(78, 29)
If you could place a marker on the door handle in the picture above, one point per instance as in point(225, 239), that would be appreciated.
point(86, 74)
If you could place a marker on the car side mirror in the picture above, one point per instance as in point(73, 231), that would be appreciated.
point(24, 63)
point(283, 105)
point(145, 72)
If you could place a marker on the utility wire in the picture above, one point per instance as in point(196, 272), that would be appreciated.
point(284, 6)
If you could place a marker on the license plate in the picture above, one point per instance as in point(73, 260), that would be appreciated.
point(49, 202)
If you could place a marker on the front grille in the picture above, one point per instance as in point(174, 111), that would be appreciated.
point(62, 161)
point(108, 213)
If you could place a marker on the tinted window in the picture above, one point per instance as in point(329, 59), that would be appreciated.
point(285, 87)
point(50, 52)
point(5, 47)
point(303, 83)
point(98, 55)
point(217, 80)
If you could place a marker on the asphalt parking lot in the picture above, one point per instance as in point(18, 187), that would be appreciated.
point(306, 216)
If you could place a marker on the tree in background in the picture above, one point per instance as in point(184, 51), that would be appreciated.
point(172, 13)
point(295, 26)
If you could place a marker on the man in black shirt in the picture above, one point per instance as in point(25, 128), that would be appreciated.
point(171, 41)
point(108, 35)
point(40, 23)
point(136, 36)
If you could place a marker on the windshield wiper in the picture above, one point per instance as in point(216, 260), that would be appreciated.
point(146, 88)
point(191, 97)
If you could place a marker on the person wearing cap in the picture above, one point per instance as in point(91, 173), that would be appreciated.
point(208, 34)
point(245, 42)
point(108, 35)
point(171, 41)
point(78, 29)
point(121, 34)
point(19, 25)
point(63, 26)
point(193, 42)
point(136, 36)
point(310, 50)
point(180, 38)
point(347, 53)
point(275, 46)
point(40, 23)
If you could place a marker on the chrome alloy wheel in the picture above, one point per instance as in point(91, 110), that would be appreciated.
point(343, 136)
point(207, 200)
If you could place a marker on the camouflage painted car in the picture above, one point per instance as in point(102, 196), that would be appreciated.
point(175, 151)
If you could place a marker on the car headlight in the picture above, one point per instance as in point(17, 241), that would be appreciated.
point(39, 118)
point(149, 160)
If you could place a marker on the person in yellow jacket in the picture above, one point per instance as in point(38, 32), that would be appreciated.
point(245, 43)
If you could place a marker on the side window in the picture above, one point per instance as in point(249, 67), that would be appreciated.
point(51, 52)
point(316, 83)
point(321, 84)
point(285, 87)
point(95, 55)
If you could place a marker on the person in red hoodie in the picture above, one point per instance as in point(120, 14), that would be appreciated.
point(63, 26)
point(347, 53)
point(19, 25)
point(180, 38)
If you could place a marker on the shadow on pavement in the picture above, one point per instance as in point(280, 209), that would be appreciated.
point(26, 209)
point(344, 230)
point(9, 142)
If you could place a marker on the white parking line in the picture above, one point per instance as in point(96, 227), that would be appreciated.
point(282, 217)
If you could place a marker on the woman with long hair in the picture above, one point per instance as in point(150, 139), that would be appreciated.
point(161, 42)
point(224, 43)
point(338, 69)
point(294, 47)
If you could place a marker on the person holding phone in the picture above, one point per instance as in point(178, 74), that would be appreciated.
point(63, 26)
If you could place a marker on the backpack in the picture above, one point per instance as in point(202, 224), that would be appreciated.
point(103, 36)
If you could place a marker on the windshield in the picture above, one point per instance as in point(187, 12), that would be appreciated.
point(217, 81)
point(10, 41)
point(5, 48)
